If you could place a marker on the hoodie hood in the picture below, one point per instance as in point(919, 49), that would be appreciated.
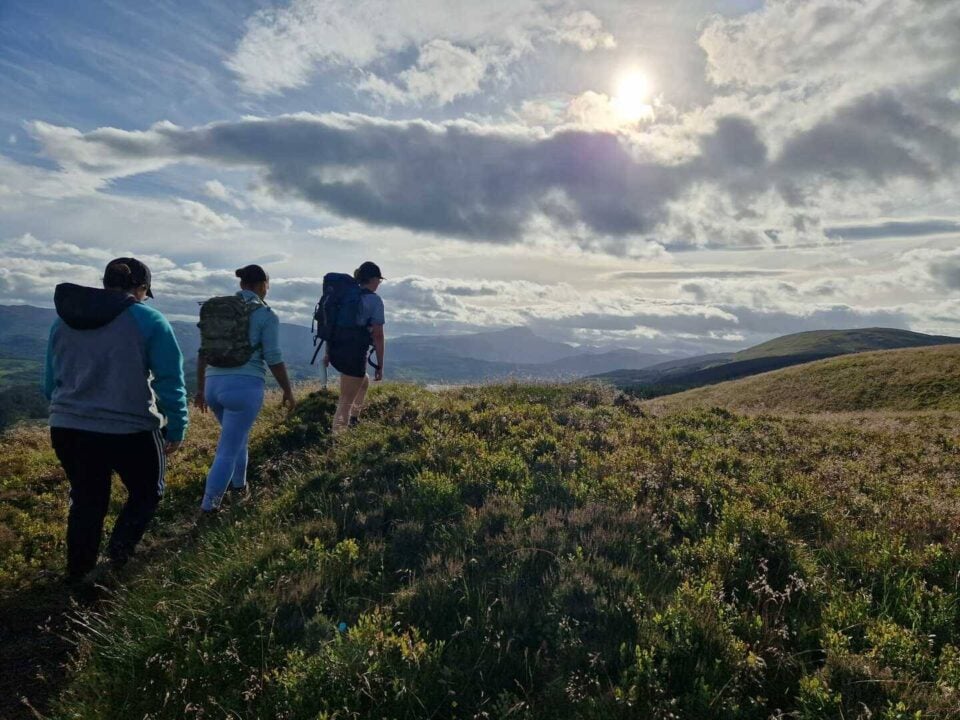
point(86, 308)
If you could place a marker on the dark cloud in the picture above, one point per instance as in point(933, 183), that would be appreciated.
point(946, 271)
point(893, 228)
point(455, 179)
point(876, 137)
point(489, 183)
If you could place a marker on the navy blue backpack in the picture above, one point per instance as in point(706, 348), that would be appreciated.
point(338, 307)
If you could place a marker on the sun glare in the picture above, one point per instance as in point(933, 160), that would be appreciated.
point(632, 95)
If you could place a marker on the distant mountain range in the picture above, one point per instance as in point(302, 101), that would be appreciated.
point(515, 353)
point(511, 354)
point(796, 349)
point(478, 357)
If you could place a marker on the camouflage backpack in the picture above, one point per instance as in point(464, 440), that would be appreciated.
point(225, 330)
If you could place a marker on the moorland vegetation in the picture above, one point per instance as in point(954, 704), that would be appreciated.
point(535, 552)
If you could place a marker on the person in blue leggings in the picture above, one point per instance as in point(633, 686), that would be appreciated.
point(235, 394)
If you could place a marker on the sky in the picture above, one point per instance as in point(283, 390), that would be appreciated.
point(679, 176)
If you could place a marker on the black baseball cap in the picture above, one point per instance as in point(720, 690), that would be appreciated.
point(368, 271)
point(136, 274)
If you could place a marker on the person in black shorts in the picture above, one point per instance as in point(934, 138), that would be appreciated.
point(349, 353)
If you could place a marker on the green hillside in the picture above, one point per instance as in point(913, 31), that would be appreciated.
point(533, 552)
point(840, 342)
point(798, 349)
point(897, 380)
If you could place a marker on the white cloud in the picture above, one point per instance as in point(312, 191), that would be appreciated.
point(806, 58)
point(585, 30)
point(283, 48)
point(443, 73)
point(216, 189)
point(205, 218)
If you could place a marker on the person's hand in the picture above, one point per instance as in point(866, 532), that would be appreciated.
point(289, 401)
point(200, 402)
point(326, 360)
point(378, 374)
point(170, 447)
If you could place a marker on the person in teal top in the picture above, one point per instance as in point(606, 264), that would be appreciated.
point(118, 403)
point(235, 394)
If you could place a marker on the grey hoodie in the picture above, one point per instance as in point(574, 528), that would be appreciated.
point(113, 365)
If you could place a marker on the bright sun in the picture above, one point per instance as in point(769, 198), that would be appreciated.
point(630, 100)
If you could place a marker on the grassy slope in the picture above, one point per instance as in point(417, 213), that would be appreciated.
point(794, 349)
point(839, 342)
point(542, 552)
point(912, 379)
point(33, 510)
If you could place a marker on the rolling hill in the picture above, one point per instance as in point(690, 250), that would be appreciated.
point(842, 342)
point(781, 352)
point(925, 378)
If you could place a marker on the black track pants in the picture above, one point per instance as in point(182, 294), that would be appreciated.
point(89, 460)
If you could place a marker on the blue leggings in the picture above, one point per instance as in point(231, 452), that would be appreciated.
point(235, 400)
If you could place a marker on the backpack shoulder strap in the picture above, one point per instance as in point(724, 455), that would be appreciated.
point(255, 300)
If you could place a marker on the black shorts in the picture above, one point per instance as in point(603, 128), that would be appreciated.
point(349, 352)
point(352, 365)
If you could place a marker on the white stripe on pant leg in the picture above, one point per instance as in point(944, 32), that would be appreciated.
point(163, 463)
point(158, 443)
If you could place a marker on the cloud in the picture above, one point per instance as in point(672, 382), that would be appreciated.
point(599, 111)
point(495, 183)
point(205, 218)
point(941, 266)
point(29, 246)
point(283, 48)
point(218, 191)
point(877, 138)
point(716, 314)
point(443, 73)
point(833, 48)
point(455, 178)
point(894, 229)
point(585, 30)
point(642, 275)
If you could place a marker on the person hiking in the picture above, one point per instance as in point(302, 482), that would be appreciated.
point(348, 352)
point(114, 379)
point(240, 339)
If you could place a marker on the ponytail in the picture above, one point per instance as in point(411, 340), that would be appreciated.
point(118, 275)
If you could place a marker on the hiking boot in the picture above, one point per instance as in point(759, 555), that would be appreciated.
point(354, 420)
point(239, 495)
point(107, 574)
point(81, 587)
point(72, 580)
point(204, 520)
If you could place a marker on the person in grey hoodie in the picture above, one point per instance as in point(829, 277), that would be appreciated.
point(114, 378)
